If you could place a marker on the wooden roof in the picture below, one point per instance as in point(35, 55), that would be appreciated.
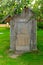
point(8, 17)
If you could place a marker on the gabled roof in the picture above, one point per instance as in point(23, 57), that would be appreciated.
point(12, 16)
point(5, 18)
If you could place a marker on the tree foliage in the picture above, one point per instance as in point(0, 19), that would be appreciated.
point(38, 9)
point(8, 6)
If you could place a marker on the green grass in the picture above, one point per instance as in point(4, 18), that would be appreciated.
point(29, 58)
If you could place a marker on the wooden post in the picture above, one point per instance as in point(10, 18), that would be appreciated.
point(33, 35)
point(13, 35)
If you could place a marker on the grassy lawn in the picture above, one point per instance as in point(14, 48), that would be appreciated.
point(30, 58)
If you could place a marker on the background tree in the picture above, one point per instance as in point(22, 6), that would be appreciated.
point(8, 6)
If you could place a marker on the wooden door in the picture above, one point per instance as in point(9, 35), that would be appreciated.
point(23, 37)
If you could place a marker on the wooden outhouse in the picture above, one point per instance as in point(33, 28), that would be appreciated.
point(23, 31)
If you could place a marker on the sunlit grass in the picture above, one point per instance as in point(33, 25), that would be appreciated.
point(29, 58)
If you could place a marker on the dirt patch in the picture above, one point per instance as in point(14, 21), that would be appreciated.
point(16, 54)
point(13, 56)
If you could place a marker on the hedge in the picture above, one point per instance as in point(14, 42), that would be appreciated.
point(40, 25)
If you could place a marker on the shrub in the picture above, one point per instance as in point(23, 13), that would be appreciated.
point(40, 25)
